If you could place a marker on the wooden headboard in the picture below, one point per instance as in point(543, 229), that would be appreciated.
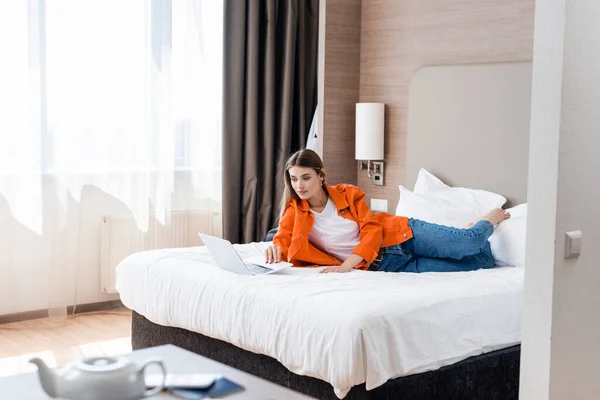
point(469, 125)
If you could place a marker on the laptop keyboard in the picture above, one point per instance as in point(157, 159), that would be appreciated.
point(256, 269)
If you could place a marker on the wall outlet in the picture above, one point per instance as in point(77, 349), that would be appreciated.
point(379, 205)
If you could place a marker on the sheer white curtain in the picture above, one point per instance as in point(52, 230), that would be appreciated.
point(117, 95)
point(202, 90)
point(20, 113)
point(108, 100)
point(122, 100)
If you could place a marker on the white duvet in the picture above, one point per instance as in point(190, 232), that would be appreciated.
point(345, 329)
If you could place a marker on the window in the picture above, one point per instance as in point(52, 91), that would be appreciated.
point(97, 92)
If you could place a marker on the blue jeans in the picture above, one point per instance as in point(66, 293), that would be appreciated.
point(438, 248)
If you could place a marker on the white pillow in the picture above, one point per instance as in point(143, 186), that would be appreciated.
point(434, 201)
point(429, 185)
point(508, 240)
point(447, 211)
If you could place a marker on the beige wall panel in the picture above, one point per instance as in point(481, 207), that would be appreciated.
point(339, 86)
point(400, 36)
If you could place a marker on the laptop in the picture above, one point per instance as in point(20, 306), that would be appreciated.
point(229, 259)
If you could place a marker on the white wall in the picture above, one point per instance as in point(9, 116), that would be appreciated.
point(561, 331)
point(31, 265)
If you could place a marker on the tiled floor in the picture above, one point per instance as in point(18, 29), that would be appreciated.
point(59, 341)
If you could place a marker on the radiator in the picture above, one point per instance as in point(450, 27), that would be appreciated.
point(121, 237)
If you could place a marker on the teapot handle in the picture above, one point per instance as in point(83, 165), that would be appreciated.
point(160, 387)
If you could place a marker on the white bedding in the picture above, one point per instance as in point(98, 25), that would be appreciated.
point(345, 329)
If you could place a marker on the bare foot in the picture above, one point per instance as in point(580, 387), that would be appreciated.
point(495, 217)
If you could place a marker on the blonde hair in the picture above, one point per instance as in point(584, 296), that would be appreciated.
point(303, 158)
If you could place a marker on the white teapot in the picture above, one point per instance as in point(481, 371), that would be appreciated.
point(98, 378)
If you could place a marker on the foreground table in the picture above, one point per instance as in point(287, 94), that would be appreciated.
point(176, 360)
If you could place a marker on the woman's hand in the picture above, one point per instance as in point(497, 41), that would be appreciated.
point(337, 268)
point(272, 254)
point(346, 266)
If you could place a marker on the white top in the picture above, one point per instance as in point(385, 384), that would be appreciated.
point(333, 234)
point(345, 329)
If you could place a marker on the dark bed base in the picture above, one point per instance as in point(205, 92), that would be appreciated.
point(491, 376)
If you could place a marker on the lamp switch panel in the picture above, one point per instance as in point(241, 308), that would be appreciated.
point(378, 173)
point(379, 205)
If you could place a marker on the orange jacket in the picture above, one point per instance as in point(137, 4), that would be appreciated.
point(376, 230)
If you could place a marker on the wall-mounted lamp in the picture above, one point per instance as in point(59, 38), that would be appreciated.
point(369, 139)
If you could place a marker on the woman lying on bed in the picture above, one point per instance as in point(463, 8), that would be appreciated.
point(331, 226)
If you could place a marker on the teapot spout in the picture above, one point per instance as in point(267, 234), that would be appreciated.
point(47, 376)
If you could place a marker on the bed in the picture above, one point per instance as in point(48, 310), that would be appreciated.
point(365, 334)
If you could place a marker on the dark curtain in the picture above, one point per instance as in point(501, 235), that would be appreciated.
point(269, 97)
